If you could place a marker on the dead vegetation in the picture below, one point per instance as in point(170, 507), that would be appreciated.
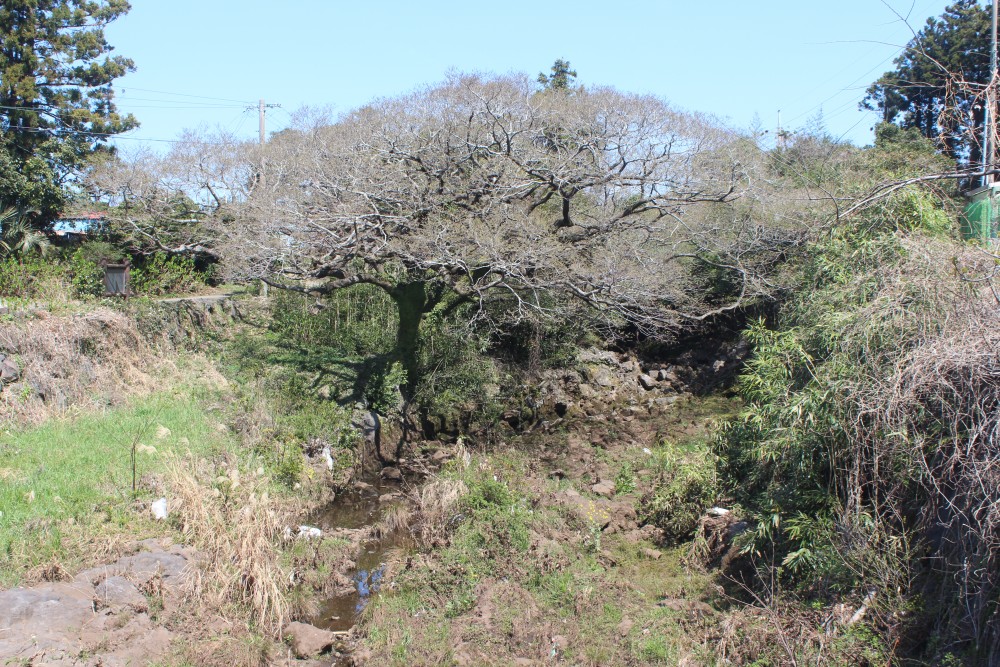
point(94, 360)
point(234, 522)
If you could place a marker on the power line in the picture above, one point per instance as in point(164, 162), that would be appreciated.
point(202, 97)
point(193, 102)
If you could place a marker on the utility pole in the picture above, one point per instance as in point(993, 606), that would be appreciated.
point(261, 109)
point(990, 114)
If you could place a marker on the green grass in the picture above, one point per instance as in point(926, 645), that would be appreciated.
point(65, 478)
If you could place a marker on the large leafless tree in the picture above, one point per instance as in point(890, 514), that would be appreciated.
point(510, 198)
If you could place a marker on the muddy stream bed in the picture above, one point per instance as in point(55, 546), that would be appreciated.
point(358, 508)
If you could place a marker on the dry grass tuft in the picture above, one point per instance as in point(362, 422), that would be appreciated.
point(238, 529)
point(435, 501)
point(51, 571)
point(396, 517)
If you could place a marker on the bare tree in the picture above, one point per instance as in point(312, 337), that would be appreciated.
point(512, 199)
point(175, 202)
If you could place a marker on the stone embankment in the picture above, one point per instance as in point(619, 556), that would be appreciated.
point(109, 615)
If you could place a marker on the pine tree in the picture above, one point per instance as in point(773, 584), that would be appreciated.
point(560, 77)
point(56, 75)
point(934, 85)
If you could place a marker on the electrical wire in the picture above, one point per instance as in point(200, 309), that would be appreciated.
point(167, 92)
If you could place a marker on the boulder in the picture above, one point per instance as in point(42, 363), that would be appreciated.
point(605, 488)
point(308, 640)
point(143, 566)
point(118, 591)
point(441, 455)
point(647, 382)
point(9, 371)
point(392, 474)
point(603, 377)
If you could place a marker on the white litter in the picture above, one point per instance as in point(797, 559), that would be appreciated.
point(309, 532)
point(159, 509)
point(327, 457)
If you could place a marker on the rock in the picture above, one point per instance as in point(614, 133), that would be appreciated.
point(664, 401)
point(308, 640)
point(592, 356)
point(603, 377)
point(557, 474)
point(9, 371)
point(159, 509)
point(586, 391)
point(328, 457)
point(52, 607)
point(652, 553)
point(737, 529)
point(392, 473)
point(21, 390)
point(145, 565)
point(647, 382)
point(389, 497)
point(441, 455)
point(605, 488)
point(625, 627)
point(118, 591)
point(663, 375)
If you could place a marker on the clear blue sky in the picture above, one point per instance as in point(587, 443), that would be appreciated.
point(733, 59)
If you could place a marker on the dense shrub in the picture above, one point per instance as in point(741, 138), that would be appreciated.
point(682, 489)
point(159, 274)
point(868, 433)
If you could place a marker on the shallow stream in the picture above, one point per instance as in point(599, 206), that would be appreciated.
point(359, 508)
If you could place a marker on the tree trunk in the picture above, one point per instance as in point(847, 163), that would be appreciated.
point(411, 303)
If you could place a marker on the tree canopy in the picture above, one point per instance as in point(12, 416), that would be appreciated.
point(560, 78)
point(509, 198)
point(56, 97)
point(938, 82)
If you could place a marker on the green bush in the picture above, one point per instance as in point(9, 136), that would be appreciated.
point(87, 275)
point(359, 321)
point(15, 278)
point(160, 274)
point(681, 493)
point(31, 277)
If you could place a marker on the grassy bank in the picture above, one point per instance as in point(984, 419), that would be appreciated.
point(67, 491)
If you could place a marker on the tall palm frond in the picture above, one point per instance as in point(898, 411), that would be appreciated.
point(18, 236)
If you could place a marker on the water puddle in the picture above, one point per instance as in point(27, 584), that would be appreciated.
point(359, 508)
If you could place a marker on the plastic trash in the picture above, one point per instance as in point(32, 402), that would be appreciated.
point(159, 509)
point(309, 532)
